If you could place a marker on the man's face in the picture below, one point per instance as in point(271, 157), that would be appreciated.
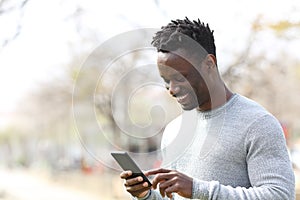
point(183, 81)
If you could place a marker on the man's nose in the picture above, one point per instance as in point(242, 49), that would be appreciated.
point(173, 88)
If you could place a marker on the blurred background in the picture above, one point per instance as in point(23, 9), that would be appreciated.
point(64, 105)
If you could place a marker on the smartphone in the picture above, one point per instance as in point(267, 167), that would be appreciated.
point(127, 163)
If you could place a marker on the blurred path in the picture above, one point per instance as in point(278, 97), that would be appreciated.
point(19, 185)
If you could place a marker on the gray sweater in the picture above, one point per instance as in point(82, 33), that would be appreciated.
point(237, 151)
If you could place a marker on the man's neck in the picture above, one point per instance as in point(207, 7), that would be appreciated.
point(219, 98)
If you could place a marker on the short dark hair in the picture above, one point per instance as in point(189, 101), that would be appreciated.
point(169, 38)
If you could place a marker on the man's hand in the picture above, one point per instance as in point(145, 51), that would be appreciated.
point(171, 181)
point(135, 186)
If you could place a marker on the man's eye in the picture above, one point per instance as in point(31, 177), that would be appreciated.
point(167, 85)
point(166, 81)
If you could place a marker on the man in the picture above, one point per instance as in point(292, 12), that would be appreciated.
point(223, 146)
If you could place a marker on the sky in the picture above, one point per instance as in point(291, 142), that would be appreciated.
point(50, 31)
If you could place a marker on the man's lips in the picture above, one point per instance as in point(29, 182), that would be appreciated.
point(181, 98)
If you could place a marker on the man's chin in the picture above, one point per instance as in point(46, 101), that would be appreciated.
point(188, 107)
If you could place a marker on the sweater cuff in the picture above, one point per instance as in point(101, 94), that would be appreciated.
point(200, 189)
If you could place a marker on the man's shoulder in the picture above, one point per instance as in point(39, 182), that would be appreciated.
point(249, 106)
point(248, 111)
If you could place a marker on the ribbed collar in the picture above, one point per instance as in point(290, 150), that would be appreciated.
point(217, 111)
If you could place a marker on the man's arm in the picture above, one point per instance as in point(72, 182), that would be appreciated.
point(269, 168)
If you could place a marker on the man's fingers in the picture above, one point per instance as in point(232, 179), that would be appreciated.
point(171, 189)
point(136, 186)
point(133, 181)
point(138, 189)
point(160, 178)
point(125, 174)
point(164, 186)
point(157, 171)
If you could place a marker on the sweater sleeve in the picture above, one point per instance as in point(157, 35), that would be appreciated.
point(269, 168)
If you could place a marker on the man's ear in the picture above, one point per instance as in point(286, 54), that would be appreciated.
point(210, 61)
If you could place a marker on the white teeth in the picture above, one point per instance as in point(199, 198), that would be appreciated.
point(181, 97)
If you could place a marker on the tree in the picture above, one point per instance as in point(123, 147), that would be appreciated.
point(274, 81)
point(8, 7)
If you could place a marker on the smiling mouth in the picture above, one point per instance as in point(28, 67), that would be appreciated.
point(182, 98)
